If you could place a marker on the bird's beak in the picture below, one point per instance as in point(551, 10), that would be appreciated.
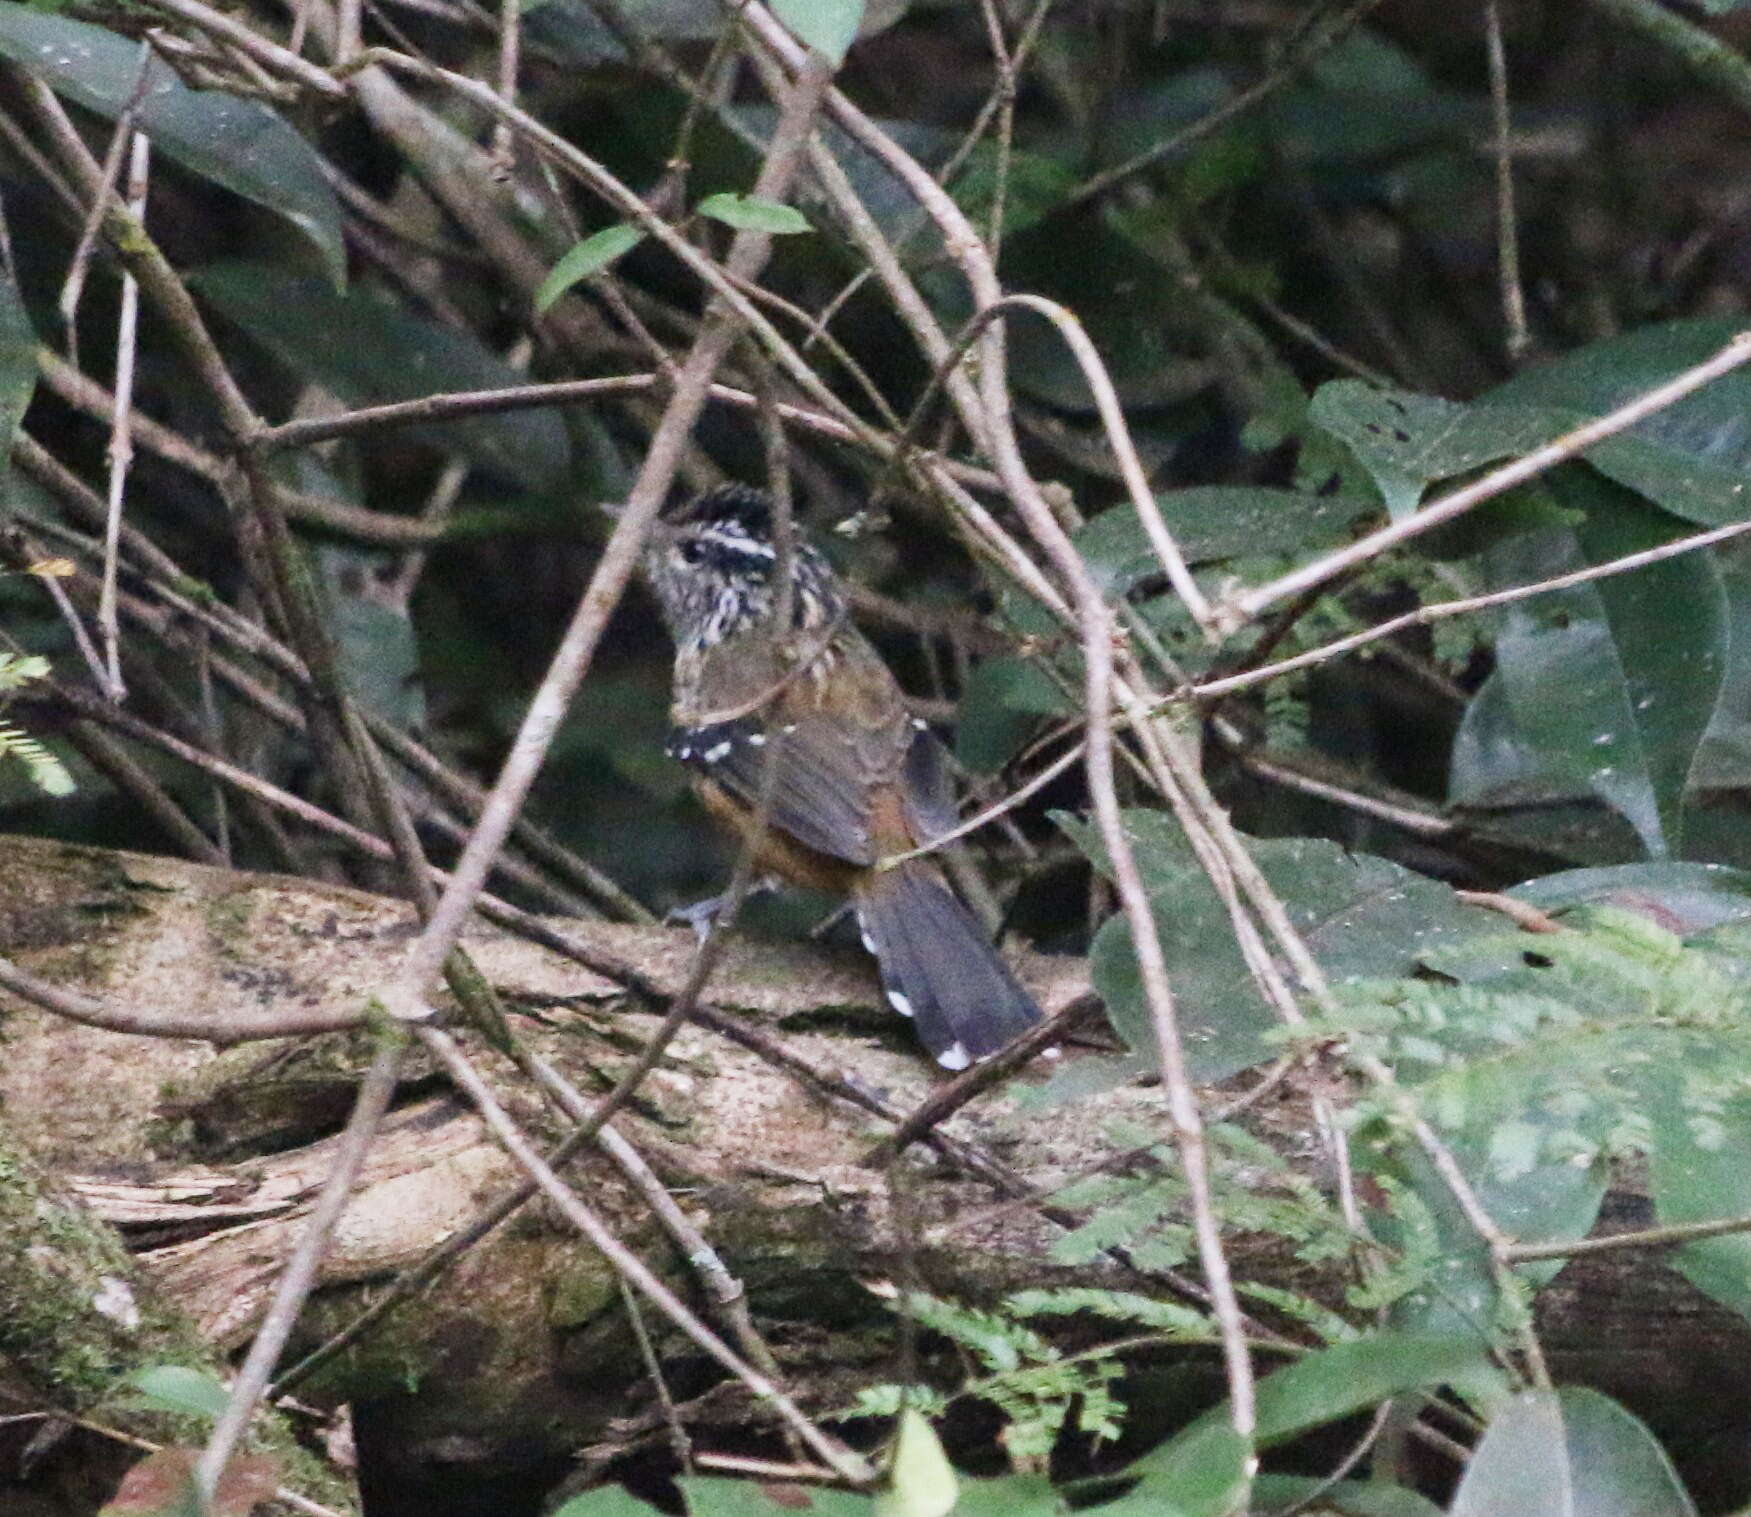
point(612, 509)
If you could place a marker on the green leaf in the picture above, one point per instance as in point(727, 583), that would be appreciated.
point(711, 1497)
point(606, 1501)
point(1699, 1169)
point(373, 635)
point(177, 1388)
point(754, 214)
point(590, 256)
point(370, 352)
point(828, 26)
point(1336, 1382)
point(1200, 1473)
point(1685, 897)
point(1406, 441)
point(1213, 522)
point(1693, 458)
point(17, 367)
point(1362, 917)
point(1013, 1496)
point(1604, 689)
point(240, 144)
point(921, 1481)
point(1001, 704)
point(1352, 1498)
point(1569, 1453)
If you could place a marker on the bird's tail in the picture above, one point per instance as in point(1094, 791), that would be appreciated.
point(938, 967)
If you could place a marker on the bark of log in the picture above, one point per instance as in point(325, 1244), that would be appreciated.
point(206, 1161)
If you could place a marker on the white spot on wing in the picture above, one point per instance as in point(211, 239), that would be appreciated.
point(868, 942)
point(955, 1056)
point(718, 751)
point(756, 739)
point(899, 1003)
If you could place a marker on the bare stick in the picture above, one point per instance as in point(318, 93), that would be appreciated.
point(626, 1263)
point(277, 59)
point(121, 440)
point(1426, 615)
point(1234, 612)
point(1507, 222)
point(299, 1275)
point(74, 284)
point(1652, 1237)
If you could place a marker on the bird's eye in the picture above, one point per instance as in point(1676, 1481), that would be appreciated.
point(691, 550)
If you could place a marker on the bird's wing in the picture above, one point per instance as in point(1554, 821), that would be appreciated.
point(839, 736)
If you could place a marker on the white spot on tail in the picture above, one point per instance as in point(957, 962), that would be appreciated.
point(955, 1056)
point(756, 739)
point(900, 1003)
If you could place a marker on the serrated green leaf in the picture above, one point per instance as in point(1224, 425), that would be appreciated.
point(590, 256)
point(240, 144)
point(828, 26)
point(753, 214)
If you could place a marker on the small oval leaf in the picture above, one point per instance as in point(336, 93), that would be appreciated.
point(177, 1388)
point(750, 213)
point(590, 256)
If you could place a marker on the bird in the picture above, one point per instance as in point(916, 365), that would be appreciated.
point(858, 782)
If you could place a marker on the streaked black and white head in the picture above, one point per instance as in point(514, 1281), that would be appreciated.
point(713, 567)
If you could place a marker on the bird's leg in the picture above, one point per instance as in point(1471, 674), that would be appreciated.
point(702, 916)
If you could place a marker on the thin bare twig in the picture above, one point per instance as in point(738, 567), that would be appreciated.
point(1507, 219)
point(1234, 612)
point(372, 1101)
point(1426, 615)
point(121, 438)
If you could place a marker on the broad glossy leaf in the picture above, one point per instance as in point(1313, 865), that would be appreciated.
point(1352, 1498)
point(828, 26)
point(1604, 688)
point(1013, 1496)
point(1335, 1382)
point(1568, 1453)
point(1723, 758)
point(1693, 458)
point(606, 1501)
point(712, 1497)
point(754, 214)
point(374, 637)
point(370, 352)
point(1200, 1473)
point(1683, 897)
point(1699, 1170)
point(1212, 522)
point(17, 366)
point(240, 144)
point(1002, 703)
point(1406, 440)
point(590, 256)
point(1362, 916)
